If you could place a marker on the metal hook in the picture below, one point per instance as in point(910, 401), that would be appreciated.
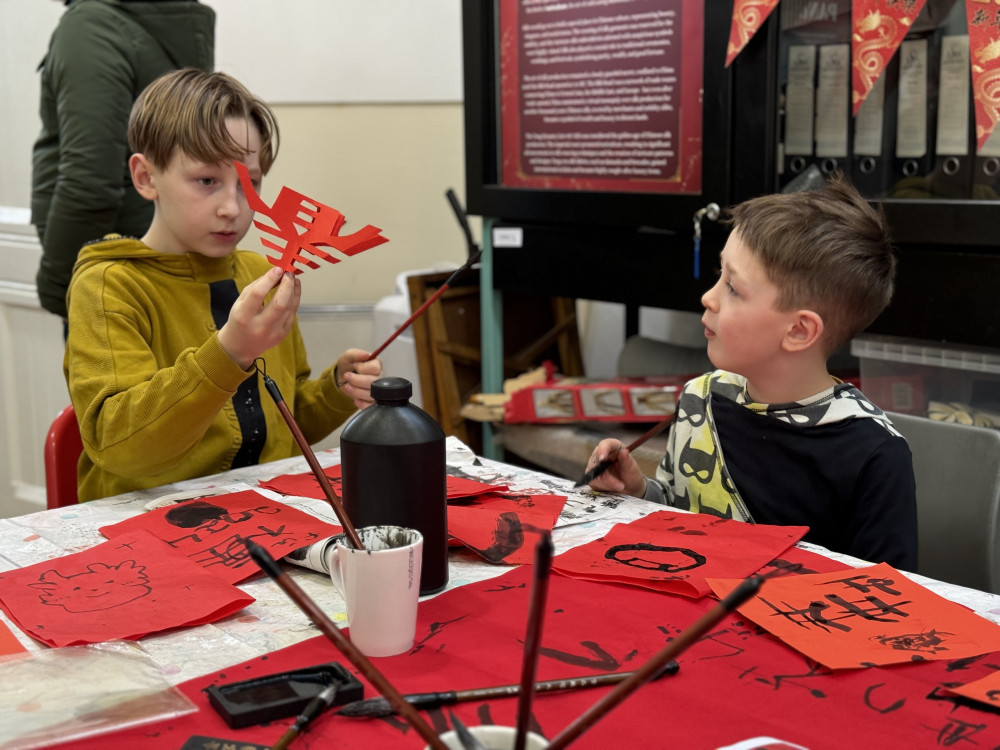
point(710, 212)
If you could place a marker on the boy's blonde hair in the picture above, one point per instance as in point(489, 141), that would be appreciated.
point(188, 109)
point(827, 250)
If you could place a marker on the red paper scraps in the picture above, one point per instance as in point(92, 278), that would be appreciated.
point(9, 644)
point(210, 531)
point(504, 528)
point(460, 488)
point(676, 552)
point(125, 588)
point(985, 690)
point(735, 682)
point(866, 616)
point(306, 485)
point(305, 225)
point(748, 15)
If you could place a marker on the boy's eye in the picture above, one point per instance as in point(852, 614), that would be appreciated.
point(206, 181)
point(732, 290)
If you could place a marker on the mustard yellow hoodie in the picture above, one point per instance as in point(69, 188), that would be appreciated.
point(153, 389)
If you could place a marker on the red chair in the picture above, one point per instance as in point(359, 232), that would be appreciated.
point(63, 447)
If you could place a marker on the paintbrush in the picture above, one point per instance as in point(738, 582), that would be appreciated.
point(603, 466)
point(314, 708)
point(349, 531)
point(533, 637)
point(377, 708)
point(747, 588)
point(474, 255)
point(319, 618)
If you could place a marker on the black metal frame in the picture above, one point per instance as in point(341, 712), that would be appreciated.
point(637, 248)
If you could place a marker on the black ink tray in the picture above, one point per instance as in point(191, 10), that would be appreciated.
point(278, 696)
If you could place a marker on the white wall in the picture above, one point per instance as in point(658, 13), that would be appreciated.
point(384, 159)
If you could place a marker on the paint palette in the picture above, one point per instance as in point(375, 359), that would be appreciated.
point(278, 696)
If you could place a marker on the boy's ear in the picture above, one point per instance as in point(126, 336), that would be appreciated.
point(804, 331)
point(142, 176)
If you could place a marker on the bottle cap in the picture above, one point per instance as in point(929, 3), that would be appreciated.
point(392, 389)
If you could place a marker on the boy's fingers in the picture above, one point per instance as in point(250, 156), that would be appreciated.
point(258, 289)
point(288, 291)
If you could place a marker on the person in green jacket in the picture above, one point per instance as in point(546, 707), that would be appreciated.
point(166, 332)
point(102, 54)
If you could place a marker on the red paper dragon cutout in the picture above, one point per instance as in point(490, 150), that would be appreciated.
point(304, 225)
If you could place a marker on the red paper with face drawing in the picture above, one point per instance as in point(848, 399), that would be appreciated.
point(676, 552)
point(125, 588)
point(211, 530)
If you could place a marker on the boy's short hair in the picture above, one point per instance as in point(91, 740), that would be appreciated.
point(827, 250)
point(188, 109)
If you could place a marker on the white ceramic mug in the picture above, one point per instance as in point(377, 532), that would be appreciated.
point(495, 738)
point(380, 585)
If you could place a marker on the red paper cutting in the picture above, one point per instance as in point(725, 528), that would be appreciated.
point(504, 528)
point(125, 588)
point(866, 616)
point(210, 531)
point(735, 682)
point(676, 552)
point(878, 29)
point(304, 225)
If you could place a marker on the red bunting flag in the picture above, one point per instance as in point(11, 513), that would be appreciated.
point(878, 28)
point(984, 58)
point(748, 16)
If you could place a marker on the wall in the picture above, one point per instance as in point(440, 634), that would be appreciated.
point(384, 159)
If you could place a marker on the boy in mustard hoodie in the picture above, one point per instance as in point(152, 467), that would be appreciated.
point(164, 330)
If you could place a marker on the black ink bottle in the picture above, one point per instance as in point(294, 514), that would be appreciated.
point(393, 472)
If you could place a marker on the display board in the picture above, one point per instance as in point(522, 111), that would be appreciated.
point(593, 112)
point(597, 101)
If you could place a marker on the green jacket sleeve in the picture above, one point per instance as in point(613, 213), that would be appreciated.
point(90, 78)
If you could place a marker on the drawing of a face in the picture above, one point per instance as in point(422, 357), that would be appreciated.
point(654, 557)
point(100, 587)
point(193, 513)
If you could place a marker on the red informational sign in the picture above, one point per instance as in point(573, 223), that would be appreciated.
point(602, 97)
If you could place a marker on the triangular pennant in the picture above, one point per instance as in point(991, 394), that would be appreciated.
point(984, 59)
point(878, 28)
point(748, 16)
